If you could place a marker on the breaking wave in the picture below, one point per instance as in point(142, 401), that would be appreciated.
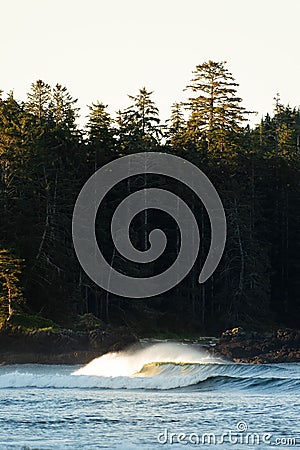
point(158, 367)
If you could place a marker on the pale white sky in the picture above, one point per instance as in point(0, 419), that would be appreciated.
point(106, 49)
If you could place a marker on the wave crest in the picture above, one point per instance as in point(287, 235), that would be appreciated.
point(159, 367)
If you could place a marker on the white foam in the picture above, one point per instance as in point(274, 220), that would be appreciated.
point(29, 380)
point(130, 363)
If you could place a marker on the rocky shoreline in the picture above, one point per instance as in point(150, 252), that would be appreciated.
point(281, 346)
point(61, 347)
point(79, 347)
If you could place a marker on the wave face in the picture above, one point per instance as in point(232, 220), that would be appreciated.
point(157, 367)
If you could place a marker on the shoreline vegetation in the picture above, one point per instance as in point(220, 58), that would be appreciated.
point(55, 345)
point(48, 303)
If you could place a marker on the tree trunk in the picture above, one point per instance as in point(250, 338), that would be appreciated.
point(10, 305)
point(241, 250)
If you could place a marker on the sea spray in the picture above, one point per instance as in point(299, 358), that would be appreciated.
point(131, 362)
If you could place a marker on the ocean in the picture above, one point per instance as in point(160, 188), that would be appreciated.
point(166, 395)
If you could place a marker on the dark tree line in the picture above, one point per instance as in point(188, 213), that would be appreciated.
point(45, 159)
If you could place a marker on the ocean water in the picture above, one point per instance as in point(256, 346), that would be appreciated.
point(168, 396)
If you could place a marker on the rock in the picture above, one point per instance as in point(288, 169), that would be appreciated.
point(61, 347)
point(239, 331)
point(251, 347)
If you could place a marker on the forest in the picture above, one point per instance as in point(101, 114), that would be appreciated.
point(46, 157)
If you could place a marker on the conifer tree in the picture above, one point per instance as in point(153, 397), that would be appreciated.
point(38, 100)
point(11, 292)
point(99, 122)
point(141, 122)
point(215, 109)
point(63, 108)
point(176, 126)
point(102, 142)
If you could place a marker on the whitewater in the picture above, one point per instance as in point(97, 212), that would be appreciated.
point(136, 398)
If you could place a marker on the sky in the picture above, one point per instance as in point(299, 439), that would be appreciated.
point(105, 49)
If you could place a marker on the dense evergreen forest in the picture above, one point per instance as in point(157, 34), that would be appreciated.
point(45, 158)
